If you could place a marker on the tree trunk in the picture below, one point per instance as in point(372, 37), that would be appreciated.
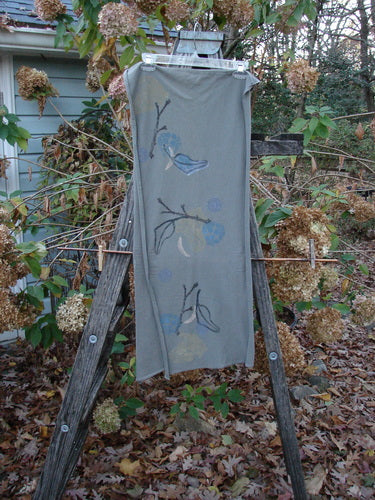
point(366, 75)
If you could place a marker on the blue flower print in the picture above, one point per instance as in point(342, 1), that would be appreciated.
point(214, 205)
point(165, 275)
point(170, 323)
point(213, 232)
point(168, 141)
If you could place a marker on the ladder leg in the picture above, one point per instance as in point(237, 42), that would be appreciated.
point(90, 366)
point(278, 379)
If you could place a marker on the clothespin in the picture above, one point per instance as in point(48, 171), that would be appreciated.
point(100, 257)
point(312, 253)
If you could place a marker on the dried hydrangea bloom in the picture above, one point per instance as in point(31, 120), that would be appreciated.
point(148, 6)
point(14, 314)
point(329, 278)
point(295, 232)
point(242, 14)
point(71, 316)
point(116, 88)
point(291, 349)
point(6, 240)
point(5, 20)
point(238, 13)
point(363, 210)
point(295, 281)
point(301, 77)
point(325, 325)
point(34, 84)
point(4, 215)
point(30, 81)
point(4, 165)
point(364, 310)
point(177, 11)
point(11, 271)
point(116, 19)
point(48, 10)
point(95, 69)
point(106, 417)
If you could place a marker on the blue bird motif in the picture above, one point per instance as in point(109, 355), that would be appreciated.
point(184, 163)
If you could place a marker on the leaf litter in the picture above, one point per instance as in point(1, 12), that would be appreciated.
point(150, 458)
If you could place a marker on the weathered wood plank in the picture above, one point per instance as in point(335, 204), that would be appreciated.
point(90, 366)
point(282, 144)
point(278, 380)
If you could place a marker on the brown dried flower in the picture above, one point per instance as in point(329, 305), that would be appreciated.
point(148, 6)
point(116, 88)
point(242, 14)
point(48, 10)
point(116, 19)
point(6, 240)
point(34, 84)
point(71, 316)
point(95, 69)
point(295, 281)
point(4, 164)
point(10, 272)
point(4, 216)
point(13, 313)
point(363, 210)
point(238, 13)
point(106, 417)
point(301, 77)
point(325, 325)
point(329, 278)
point(4, 23)
point(291, 349)
point(295, 232)
point(364, 310)
point(177, 11)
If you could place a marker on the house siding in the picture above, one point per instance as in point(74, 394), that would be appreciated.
point(68, 76)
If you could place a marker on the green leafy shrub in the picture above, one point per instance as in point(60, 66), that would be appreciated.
point(10, 131)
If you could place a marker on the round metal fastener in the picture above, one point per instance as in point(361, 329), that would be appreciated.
point(130, 221)
point(273, 356)
point(93, 339)
point(123, 243)
point(64, 428)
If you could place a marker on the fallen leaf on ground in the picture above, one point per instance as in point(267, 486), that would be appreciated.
point(315, 483)
point(127, 467)
point(178, 453)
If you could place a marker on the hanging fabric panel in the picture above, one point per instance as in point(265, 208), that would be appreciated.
point(193, 289)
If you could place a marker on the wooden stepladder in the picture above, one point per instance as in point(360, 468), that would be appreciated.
point(108, 305)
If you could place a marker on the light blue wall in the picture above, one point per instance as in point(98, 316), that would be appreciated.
point(68, 76)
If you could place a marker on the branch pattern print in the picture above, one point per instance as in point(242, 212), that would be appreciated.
point(192, 309)
point(212, 232)
point(158, 129)
point(170, 143)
